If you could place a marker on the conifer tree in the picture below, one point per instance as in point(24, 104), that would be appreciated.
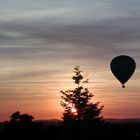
point(77, 102)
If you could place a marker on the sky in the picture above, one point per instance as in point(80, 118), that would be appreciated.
point(41, 41)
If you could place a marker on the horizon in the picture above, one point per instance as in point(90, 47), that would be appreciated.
point(59, 119)
point(42, 41)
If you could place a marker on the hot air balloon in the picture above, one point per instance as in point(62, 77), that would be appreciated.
point(123, 68)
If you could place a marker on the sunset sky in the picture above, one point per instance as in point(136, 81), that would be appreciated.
point(41, 41)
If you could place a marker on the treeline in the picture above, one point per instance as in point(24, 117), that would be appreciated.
point(22, 127)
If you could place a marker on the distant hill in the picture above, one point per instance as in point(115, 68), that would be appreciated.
point(109, 120)
point(123, 121)
point(51, 122)
point(57, 122)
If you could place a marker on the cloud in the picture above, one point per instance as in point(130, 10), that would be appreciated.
point(110, 30)
point(38, 41)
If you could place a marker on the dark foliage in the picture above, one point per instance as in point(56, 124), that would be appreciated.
point(52, 130)
point(85, 121)
point(20, 126)
point(79, 99)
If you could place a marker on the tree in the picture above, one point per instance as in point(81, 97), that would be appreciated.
point(76, 103)
point(21, 118)
point(21, 126)
point(15, 117)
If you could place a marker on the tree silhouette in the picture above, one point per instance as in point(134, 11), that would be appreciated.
point(21, 125)
point(15, 117)
point(81, 117)
point(21, 118)
point(76, 103)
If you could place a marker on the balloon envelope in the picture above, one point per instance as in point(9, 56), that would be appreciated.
point(123, 68)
